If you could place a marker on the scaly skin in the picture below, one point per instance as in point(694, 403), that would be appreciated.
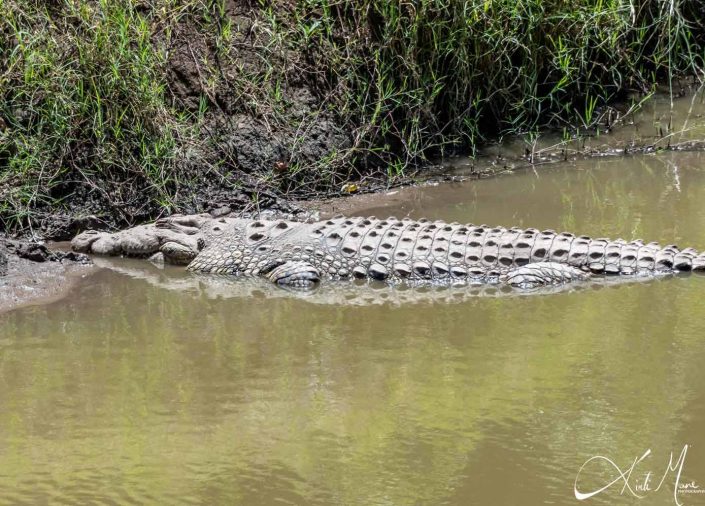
point(299, 255)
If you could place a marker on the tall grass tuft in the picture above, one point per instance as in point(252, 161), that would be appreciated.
point(82, 100)
point(422, 77)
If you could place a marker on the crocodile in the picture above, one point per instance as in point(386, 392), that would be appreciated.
point(395, 251)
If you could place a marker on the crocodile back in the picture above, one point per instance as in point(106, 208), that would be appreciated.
point(405, 250)
point(408, 250)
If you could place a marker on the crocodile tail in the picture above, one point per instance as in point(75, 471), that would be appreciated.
point(699, 262)
point(621, 257)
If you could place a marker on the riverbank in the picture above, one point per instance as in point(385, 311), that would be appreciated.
point(660, 127)
point(31, 273)
point(115, 113)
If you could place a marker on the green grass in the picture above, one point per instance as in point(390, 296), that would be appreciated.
point(83, 102)
point(85, 108)
point(440, 73)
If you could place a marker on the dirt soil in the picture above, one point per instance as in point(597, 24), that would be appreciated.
point(32, 274)
point(247, 135)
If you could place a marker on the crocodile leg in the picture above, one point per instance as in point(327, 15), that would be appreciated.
point(292, 274)
point(542, 274)
point(175, 253)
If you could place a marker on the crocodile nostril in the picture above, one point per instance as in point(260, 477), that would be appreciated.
point(200, 244)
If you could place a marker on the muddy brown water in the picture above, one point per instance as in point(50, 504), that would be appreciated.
point(156, 387)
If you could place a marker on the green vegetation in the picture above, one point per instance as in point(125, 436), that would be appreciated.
point(83, 106)
point(100, 113)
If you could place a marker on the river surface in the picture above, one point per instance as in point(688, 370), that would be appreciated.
point(149, 386)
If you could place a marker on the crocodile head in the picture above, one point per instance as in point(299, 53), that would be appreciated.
point(242, 246)
point(176, 240)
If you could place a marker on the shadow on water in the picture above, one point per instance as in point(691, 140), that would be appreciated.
point(136, 390)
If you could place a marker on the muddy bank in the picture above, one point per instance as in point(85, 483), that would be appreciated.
point(657, 125)
point(31, 273)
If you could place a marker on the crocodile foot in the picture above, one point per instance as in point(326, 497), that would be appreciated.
point(542, 274)
point(292, 274)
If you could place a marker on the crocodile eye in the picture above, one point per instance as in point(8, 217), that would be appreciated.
point(200, 243)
